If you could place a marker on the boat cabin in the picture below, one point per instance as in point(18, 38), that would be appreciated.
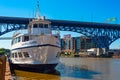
point(39, 26)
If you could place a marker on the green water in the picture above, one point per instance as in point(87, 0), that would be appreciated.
point(78, 69)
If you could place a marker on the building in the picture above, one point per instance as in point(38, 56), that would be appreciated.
point(86, 43)
point(77, 44)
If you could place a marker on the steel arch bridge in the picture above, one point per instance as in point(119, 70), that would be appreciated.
point(103, 34)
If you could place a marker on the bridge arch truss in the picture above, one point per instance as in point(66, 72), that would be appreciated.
point(102, 34)
point(102, 37)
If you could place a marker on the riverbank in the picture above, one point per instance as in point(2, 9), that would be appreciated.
point(91, 55)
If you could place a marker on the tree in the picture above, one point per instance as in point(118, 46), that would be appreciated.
point(2, 51)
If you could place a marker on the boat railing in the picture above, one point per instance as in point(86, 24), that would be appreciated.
point(56, 32)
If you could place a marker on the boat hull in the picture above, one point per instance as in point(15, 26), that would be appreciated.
point(44, 68)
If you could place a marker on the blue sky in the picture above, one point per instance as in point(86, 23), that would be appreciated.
point(77, 10)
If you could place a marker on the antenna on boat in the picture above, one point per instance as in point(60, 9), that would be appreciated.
point(38, 10)
point(33, 14)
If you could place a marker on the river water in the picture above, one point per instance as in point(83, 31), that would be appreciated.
point(78, 69)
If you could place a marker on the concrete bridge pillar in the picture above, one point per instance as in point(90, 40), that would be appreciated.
point(101, 51)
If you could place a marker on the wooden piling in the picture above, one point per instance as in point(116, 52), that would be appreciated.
point(5, 73)
point(2, 67)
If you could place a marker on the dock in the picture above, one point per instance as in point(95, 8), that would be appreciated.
point(5, 73)
point(8, 72)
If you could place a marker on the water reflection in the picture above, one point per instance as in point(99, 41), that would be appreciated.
point(90, 69)
point(74, 72)
point(78, 69)
point(24, 75)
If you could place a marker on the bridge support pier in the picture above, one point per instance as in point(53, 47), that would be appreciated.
point(102, 44)
point(100, 51)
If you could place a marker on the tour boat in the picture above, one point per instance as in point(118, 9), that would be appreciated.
point(36, 50)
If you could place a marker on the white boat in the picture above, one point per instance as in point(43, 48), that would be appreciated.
point(37, 50)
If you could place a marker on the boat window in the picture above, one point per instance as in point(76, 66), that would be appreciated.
point(19, 39)
point(15, 40)
point(40, 25)
point(25, 54)
point(12, 42)
point(35, 26)
point(15, 55)
point(45, 25)
point(56, 36)
point(20, 55)
point(12, 55)
point(26, 38)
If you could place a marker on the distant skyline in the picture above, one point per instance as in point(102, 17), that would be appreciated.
point(76, 10)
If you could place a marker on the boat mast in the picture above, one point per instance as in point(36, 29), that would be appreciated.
point(38, 10)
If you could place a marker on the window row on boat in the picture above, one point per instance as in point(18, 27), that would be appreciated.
point(20, 55)
point(40, 25)
point(20, 39)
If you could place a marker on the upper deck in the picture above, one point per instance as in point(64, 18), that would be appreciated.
point(39, 26)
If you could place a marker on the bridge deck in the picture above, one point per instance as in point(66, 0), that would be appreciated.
point(20, 20)
point(110, 32)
